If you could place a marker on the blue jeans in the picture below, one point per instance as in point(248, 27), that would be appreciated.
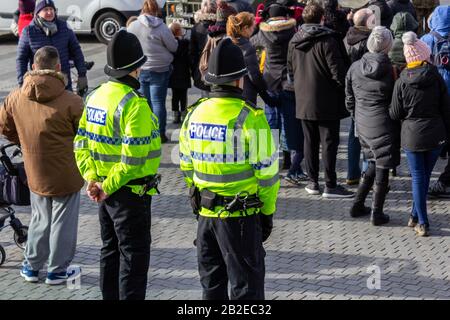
point(154, 88)
point(354, 154)
point(291, 131)
point(421, 165)
point(273, 116)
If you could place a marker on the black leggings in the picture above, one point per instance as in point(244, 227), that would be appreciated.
point(381, 175)
point(179, 99)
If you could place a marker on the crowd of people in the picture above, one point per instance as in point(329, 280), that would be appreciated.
point(312, 64)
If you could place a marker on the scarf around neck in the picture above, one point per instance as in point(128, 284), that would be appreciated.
point(49, 27)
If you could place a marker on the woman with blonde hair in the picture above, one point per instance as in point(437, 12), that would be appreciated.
point(240, 28)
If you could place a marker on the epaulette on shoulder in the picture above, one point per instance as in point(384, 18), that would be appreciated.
point(91, 93)
point(195, 104)
point(252, 105)
point(139, 94)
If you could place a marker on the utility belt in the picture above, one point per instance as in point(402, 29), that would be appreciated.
point(210, 200)
point(147, 183)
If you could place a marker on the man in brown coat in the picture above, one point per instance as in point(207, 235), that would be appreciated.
point(43, 117)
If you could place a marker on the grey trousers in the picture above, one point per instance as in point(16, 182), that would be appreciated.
point(52, 234)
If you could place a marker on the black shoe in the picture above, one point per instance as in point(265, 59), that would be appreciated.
point(313, 188)
point(292, 179)
point(439, 190)
point(359, 210)
point(394, 172)
point(337, 192)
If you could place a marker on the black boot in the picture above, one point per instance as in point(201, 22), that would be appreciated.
point(359, 209)
point(379, 196)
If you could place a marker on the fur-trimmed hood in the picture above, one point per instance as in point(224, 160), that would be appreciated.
point(43, 85)
point(199, 16)
point(277, 24)
point(278, 30)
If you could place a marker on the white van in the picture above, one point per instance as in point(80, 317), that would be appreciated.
point(101, 17)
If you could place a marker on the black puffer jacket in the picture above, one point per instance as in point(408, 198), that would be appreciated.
point(253, 82)
point(421, 100)
point(274, 38)
point(318, 63)
point(356, 42)
point(369, 86)
point(402, 6)
point(199, 36)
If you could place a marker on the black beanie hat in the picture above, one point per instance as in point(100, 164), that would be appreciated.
point(124, 54)
point(225, 64)
point(276, 10)
point(41, 4)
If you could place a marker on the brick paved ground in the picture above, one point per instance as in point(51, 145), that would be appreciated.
point(316, 250)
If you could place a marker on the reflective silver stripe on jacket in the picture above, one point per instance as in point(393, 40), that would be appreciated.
point(225, 178)
point(269, 182)
point(135, 161)
point(125, 159)
point(118, 112)
point(188, 173)
point(80, 144)
point(238, 125)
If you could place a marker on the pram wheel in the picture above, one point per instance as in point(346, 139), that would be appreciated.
point(2, 255)
point(21, 236)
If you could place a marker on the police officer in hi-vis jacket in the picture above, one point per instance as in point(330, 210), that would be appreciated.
point(118, 151)
point(230, 163)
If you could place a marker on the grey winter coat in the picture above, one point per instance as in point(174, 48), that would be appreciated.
point(157, 41)
point(369, 86)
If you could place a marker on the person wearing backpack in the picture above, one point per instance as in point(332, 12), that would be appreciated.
point(438, 40)
point(216, 33)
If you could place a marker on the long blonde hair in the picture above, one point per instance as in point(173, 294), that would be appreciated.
point(237, 23)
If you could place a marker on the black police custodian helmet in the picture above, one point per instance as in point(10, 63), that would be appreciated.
point(225, 64)
point(124, 54)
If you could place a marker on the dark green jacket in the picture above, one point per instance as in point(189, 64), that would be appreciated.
point(402, 22)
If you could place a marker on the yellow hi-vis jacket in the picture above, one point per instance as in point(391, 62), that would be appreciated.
point(118, 138)
point(226, 146)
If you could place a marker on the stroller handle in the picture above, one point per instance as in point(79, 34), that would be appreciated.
point(5, 160)
point(6, 146)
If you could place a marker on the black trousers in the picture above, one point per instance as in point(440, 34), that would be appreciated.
point(179, 99)
point(445, 176)
point(125, 254)
point(230, 250)
point(325, 133)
